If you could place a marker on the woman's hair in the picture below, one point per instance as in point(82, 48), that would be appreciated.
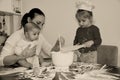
point(31, 14)
point(84, 14)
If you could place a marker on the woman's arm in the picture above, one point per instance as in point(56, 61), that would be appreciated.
point(26, 53)
point(44, 46)
point(7, 56)
point(59, 44)
point(11, 59)
point(24, 63)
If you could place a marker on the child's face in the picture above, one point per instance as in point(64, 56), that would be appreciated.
point(33, 34)
point(84, 22)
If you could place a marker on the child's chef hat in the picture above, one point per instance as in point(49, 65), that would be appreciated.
point(84, 5)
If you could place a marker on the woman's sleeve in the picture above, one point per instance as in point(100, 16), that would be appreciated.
point(8, 48)
point(18, 50)
point(46, 47)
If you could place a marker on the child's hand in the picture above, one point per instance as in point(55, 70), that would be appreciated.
point(36, 71)
point(28, 52)
point(76, 55)
point(88, 43)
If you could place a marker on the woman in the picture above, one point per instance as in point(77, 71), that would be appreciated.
point(8, 56)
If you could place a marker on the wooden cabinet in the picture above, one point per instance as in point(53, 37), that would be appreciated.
point(10, 15)
point(11, 6)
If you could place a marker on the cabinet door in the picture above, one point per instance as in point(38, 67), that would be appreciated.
point(11, 11)
point(6, 5)
point(13, 6)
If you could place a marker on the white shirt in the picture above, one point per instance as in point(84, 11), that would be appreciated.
point(9, 48)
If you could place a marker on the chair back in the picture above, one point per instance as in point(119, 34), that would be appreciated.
point(108, 54)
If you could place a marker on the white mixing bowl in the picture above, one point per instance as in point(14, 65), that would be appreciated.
point(62, 59)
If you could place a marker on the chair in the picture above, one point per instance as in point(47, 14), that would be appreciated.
point(1, 48)
point(107, 54)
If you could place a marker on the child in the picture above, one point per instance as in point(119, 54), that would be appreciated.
point(87, 34)
point(31, 33)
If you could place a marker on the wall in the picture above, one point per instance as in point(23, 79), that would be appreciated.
point(6, 5)
point(107, 17)
point(60, 19)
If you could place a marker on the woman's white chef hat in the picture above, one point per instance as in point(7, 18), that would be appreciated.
point(84, 5)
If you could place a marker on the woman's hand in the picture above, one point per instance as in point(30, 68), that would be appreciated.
point(59, 43)
point(28, 52)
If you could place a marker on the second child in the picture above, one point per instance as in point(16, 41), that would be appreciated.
point(87, 34)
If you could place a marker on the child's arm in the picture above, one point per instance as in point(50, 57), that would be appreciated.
point(76, 38)
point(97, 37)
point(24, 63)
point(41, 60)
point(43, 63)
point(88, 43)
